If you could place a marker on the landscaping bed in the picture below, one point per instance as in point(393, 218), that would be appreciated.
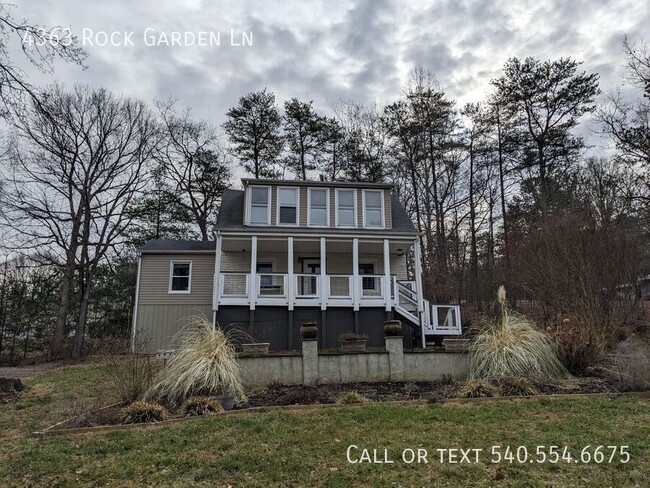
point(277, 395)
point(281, 395)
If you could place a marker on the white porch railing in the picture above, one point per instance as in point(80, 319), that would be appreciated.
point(340, 290)
point(271, 285)
point(339, 286)
point(372, 286)
point(234, 285)
point(307, 285)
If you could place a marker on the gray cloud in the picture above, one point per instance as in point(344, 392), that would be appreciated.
point(332, 50)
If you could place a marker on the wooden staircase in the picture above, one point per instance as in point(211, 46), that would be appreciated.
point(436, 319)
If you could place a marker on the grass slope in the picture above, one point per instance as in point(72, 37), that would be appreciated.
point(308, 448)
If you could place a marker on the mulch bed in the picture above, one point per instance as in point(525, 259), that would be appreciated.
point(376, 392)
point(281, 395)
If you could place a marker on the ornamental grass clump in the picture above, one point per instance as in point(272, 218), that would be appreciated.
point(476, 389)
point(202, 405)
point(351, 397)
point(205, 363)
point(142, 412)
point(513, 347)
point(516, 387)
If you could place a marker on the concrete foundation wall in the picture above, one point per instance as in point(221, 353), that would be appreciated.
point(312, 368)
point(351, 368)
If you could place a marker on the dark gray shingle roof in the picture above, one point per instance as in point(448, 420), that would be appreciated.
point(169, 245)
point(231, 211)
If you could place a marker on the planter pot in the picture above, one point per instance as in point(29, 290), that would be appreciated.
point(353, 346)
point(309, 330)
point(393, 328)
point(227, 401)
point(256, 349)
point(456, 345)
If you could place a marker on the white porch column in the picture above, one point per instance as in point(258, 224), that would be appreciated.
point(291, 292)
point(252, 281)
point(217, 274)
point(418, 290)
point(323, 274)
point(387, 281)
point(356, 298)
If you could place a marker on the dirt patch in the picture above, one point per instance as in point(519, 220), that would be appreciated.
point(26, 372)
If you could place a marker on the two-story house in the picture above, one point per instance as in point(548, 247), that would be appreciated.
point(344, 255)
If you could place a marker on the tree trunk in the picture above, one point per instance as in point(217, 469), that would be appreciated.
point(83, 316)
point(58, 335)
point(474, 285)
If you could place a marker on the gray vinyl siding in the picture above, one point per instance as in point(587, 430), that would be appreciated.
point(158, 323)
point(388, 219)
point(161, 314)
point(154, 279)
point(303, 206)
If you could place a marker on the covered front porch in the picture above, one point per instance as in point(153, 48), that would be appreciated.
point(307, 271)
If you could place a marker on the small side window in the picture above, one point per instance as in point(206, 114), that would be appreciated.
point(180, 277)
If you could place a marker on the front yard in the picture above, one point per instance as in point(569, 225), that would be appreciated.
point(307, 447)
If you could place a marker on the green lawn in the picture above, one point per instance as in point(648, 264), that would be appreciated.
point(308, 447)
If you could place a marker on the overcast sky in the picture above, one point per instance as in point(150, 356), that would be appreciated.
point(331, 50)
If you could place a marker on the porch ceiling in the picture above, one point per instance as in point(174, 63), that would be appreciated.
point(302, 245)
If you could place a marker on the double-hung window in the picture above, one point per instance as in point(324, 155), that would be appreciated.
point(259, 205)
point(318, 207)
point(373, 211)
point(180, 275)
point(287, 206)
point(345, 208)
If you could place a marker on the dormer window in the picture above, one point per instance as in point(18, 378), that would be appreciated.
point(318, 207)
point(346, 208)
point(260, 205)
point(287, 206)
point(373, 208)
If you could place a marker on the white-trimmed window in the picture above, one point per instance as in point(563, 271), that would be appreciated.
point(180, 276)
point(346, 208)
point(373, 208)
point(288, 206)
point(318, 215)
point(259, 205)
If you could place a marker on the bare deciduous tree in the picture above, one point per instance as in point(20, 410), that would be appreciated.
point(79, 159)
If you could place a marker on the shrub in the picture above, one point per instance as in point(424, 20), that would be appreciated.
point(513, 347)
point(579, 346)
point(130, 373)
point(140, 412)
point(476, 389)
point(205, 363)
point(632, 362)
point(202, 405)
point(351, 397)
point(517, 387)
